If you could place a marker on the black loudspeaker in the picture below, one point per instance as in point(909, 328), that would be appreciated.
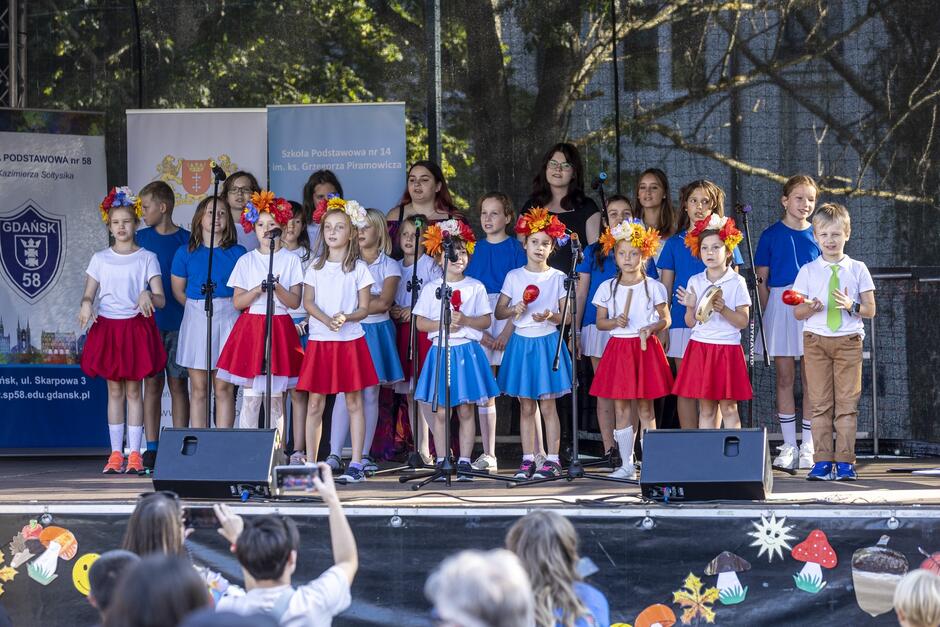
point(706, 465)
point(216, 463)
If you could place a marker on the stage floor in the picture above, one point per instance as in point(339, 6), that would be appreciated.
point(64, 484)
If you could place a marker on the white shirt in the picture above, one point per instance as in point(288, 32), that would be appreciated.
point(428, 270)
point(335, 291)
point(473, 302)
point(551, 284)
point(380, 269)
point(312, 605)
point(813, 282)
point(642, 306)
point(734, 292)
point(121, 279)
point(300, 251)
point(251, 270)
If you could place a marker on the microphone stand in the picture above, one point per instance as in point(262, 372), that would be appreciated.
point(576, 468)
point(743, 211)
point(208, 289)
point(268, 286)
point(447, 468)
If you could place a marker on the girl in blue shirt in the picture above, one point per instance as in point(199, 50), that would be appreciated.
point(783, 249)
point(189, 270)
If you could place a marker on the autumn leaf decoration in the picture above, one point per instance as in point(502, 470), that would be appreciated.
point(694, 601)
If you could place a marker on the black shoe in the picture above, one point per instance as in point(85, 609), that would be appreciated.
point(463, 471)
point(149, 459)
point(613, 457)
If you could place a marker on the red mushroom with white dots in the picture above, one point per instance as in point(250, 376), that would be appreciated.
point(816, 551)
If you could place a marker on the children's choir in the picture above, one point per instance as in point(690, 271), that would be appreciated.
point(650, 288)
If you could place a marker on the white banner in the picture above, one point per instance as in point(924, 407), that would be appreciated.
point(52, 178)
point(176, 145)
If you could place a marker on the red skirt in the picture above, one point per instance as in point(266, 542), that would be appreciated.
point(403, 341)
point(714, 372)
point(334, 367)
point(123, 349)
point(243, 353)
point(627, 372)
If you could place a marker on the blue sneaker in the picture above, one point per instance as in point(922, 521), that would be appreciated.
point(845, 472)
point(353, 474)
point(821, 471)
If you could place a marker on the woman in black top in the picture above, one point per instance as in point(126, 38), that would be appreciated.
point(559, 187)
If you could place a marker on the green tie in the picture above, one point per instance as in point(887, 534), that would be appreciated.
point(833, 313)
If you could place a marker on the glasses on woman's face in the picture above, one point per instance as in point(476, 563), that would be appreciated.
point(240, 191)
point(559, 165)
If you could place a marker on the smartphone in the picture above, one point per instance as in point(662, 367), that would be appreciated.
point(200, 518)
point(296, 478)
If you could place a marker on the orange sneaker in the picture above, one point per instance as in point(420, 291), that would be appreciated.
point(114, 464)
point(135, 463)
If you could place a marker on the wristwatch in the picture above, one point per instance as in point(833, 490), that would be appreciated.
point(856, 308)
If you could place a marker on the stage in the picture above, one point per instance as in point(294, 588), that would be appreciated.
point(644, 552)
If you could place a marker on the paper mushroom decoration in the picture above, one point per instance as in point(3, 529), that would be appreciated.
point(658, 615)
point(818, 554)
point(727, 565)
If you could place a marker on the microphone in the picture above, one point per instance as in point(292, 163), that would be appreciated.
point(420, 220)
point(576, 246)
point(449, 248)
point(274, 233)
point(599, 181)
point(217, 171)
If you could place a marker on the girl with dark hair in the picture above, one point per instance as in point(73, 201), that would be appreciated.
point(425, 194)
point(237, 190)
point(321, 184)
point(159, 591)
point(559, 187)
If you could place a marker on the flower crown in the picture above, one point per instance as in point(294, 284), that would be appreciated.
point(727, 231)
point(120, 197)
point(539, 219)
point(433, 237)
point(265, 201)
point(646, 240)
point(355, 211)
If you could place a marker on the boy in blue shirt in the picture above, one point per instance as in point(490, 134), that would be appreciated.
point(163, 238)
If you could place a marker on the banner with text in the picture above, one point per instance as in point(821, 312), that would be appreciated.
point(363, 144)
point(52, 178)
point(176, 146)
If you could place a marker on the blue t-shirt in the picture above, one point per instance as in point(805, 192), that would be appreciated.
point(194, 265)
point(679, 259)
point(590, 266)
point(164, 247)
point(785, 251)
point(596, 603)
point(491, 263)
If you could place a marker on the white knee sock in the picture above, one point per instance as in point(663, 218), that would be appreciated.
point(277, 414)
point(251, 405)
point(116, 432)
point(370, 406)
point(488, 428)
point(339, 428)
point(788, 426)
point(807, 432)
point(135, 435)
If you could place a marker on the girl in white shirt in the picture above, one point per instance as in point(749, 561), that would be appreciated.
point(633, 370)
point(713, 368)
point(123, 344)
point(336, 296)
point(242, 359)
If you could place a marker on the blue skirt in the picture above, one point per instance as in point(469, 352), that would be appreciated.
point(471, 379)
point(380, 338)
point(526, 371)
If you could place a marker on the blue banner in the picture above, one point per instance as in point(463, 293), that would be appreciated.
point(363, 144)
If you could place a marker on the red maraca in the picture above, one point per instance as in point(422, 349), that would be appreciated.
point(455, 300)
point(529, 294)
point(791, 297)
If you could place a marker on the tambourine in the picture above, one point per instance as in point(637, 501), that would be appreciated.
point(706, 304)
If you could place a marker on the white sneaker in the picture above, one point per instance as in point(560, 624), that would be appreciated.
point(788, 457)
point(627, 471)
point(807, 450)
point(485, 463)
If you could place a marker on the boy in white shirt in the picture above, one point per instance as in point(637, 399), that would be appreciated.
point(266, 548)
point(839, 293)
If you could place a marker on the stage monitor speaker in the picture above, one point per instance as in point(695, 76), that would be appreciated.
point(706, 465)
point(217, 463)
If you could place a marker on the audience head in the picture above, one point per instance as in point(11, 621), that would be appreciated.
point(917, 599)
point(159, 591)
point(481, 589)
point(547, 545)
point(267, 548)
point(211, 618)
point(105, 574)
point(155, 526)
